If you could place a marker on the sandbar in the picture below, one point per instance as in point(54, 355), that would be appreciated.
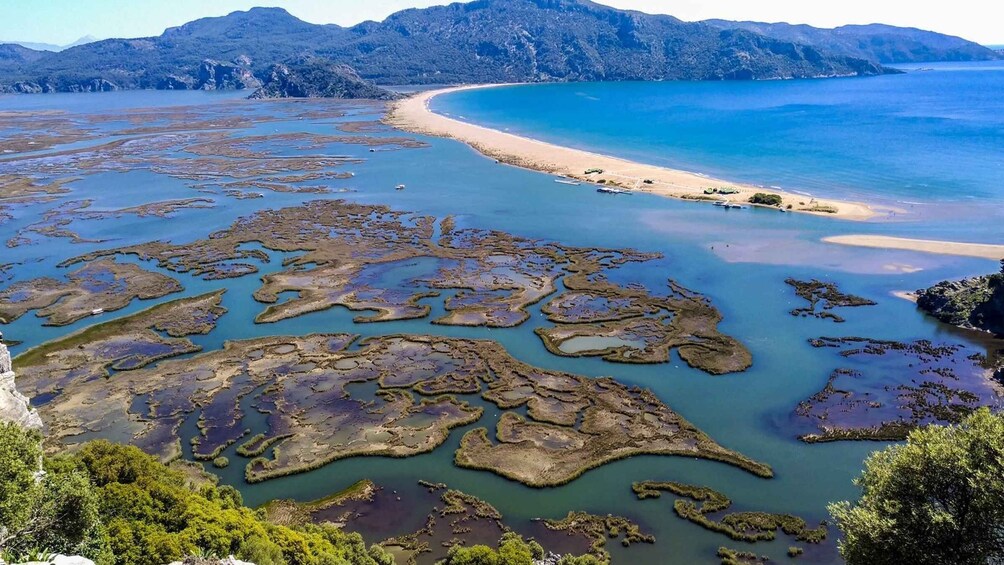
point(413, 114)
point(981, 250)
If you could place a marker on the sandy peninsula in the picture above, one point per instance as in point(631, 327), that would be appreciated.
point(980, 250)
point(413, 114)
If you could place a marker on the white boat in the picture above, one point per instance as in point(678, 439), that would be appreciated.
point(97, 311)
point(606, 190)
point(399, 187)
point(729, 205)
point(569, 182)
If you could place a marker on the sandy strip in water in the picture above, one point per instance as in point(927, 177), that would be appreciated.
point(413, 114)
point(981, 250)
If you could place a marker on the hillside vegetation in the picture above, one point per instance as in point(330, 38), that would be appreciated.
point(476, 42)
point(116, 505)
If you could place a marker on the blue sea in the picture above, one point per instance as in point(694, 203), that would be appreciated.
point(931, 141)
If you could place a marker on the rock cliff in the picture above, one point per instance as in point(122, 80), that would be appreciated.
point(14, 406)
point(317, 78)
point(974, 303)
point(214, 75)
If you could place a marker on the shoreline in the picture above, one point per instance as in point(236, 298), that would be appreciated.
point(413, 114)
point(960, 249)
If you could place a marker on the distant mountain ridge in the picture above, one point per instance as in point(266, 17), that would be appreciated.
point(38, 46)
point(876, 42)
point(477, 42)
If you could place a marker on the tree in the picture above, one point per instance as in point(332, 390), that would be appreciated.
point(512, 550)
point(21, 454)
point(767, 199)
point(54, 507)
point(937, 499)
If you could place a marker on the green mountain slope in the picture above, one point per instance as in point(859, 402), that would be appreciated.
point(481, 41)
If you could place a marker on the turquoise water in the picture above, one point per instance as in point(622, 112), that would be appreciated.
point(738, 258)
point(930, 141)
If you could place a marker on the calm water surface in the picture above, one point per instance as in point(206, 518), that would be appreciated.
point(738, 258)
point(930, 141)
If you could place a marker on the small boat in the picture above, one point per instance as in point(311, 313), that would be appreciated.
point(568, 182)
point(729, 205)
point(606, 190)
point(399, 187)
point(97, 311)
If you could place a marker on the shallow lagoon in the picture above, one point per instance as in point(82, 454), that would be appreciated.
point(738, 258)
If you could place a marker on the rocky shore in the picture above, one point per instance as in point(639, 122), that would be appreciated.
point(975, 303)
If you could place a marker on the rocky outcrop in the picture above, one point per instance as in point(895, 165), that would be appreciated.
point(975, 303)
point(175, 82)
point(85, 85)
point(14, 406)
point(318, 78)
point(22, 87)
point(214, 75)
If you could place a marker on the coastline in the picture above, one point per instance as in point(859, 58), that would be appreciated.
point(414, 114)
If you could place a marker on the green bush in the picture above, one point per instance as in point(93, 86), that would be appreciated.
point(938, 498)
point(117, 505)
point(512, 550)
point(767, 199)
point(47, 504)
point(221, 462)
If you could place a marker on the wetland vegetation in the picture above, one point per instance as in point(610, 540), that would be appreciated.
point(255, 397)
point(100, 285)
point(343, 251)
point(859, 401)
point(712, 514)
point(304, 387)
point(823, 297)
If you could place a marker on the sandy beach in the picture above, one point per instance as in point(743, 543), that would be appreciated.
point(981, 250)
point(905, 295)
point(413, 114)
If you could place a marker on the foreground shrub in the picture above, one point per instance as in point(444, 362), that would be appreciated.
point(938, 498)
point(48, 504)
point(117, 505)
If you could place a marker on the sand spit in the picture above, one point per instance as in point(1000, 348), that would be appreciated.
point(980, 250)
point(413, 114)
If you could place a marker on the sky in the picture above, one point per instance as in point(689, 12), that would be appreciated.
point(63, 21)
